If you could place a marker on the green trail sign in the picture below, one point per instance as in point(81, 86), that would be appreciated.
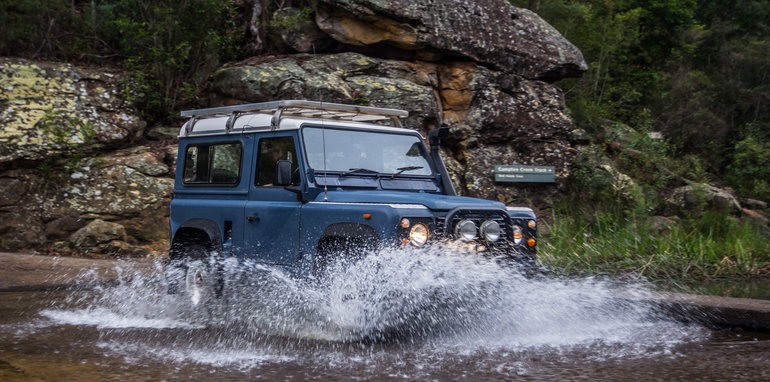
point(521, 173)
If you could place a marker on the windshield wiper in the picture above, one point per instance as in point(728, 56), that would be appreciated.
point(358, 171)
point(402, 169)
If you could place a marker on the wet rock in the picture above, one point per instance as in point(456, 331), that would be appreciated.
point(51, 109)
point(295, 29)
point(170, 155)
point(98, 232)
point(61, 247)
point(488, 31)
point(129, 185)
point(698, 197)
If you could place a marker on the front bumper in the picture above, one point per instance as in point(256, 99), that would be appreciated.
point(442, 232)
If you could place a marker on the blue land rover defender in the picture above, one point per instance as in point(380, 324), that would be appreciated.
point(298, 183)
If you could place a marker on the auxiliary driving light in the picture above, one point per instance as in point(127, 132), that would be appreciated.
point(532, 224)
point(418, 235)
point(517, 235)
point(490, 230)
point(465, 230)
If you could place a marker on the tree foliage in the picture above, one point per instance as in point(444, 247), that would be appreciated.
point(169, 46)
point(697, 70)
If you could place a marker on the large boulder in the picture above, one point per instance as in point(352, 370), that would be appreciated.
point(98, 232)
point(697, 197)
point(510, 39)
point(346, 78)
point(494, 117)
point(52, 109)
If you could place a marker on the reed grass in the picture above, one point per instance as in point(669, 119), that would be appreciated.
point(712, 245)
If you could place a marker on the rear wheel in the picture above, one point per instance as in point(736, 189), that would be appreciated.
point(200, 283)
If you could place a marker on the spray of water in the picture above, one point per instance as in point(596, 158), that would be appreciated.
point(437, 299)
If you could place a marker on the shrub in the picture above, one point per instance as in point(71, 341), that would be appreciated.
point(170, 46)
point(749, 170)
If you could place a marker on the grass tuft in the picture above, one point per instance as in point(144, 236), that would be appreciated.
point(713, 245)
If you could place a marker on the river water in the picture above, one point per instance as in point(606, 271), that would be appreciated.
point(391, 316)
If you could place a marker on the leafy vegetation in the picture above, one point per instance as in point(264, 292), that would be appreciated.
point(711, 245)
point(170, 47)
point(696, 71)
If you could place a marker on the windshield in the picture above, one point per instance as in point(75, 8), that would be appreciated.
point(365, 152)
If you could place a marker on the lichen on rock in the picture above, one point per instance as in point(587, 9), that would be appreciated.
point(51, 109)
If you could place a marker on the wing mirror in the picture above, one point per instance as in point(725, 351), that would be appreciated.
point(283, 173)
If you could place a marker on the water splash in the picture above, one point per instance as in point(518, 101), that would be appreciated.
point(440, 300)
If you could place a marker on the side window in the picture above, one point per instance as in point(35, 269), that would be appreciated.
point(217, 163)
point(271, 150)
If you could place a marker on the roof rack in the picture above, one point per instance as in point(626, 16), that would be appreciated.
point(300, 108)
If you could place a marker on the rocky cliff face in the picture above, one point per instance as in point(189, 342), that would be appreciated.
point(72, 176)
point(494, 117)
point(58, 174)
point(491, 32)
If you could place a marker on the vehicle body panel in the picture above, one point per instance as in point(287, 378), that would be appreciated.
point(288, 225)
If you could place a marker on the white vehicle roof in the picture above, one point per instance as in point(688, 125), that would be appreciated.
point(288, 115)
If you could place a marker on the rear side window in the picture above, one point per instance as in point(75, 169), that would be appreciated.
point(213, 163)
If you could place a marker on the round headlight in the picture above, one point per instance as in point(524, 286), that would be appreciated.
point(532, 224)
point(490, 230)
point(465, 230)
point(517, 235)
point(418, 235)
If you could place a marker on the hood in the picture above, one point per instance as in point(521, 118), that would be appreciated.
point(435, 202)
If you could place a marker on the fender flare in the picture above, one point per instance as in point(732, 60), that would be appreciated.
point(208, 227)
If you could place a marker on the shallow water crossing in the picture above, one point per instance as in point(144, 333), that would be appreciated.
point(390, 315)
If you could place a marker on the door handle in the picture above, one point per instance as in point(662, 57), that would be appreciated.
point(253, 218)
